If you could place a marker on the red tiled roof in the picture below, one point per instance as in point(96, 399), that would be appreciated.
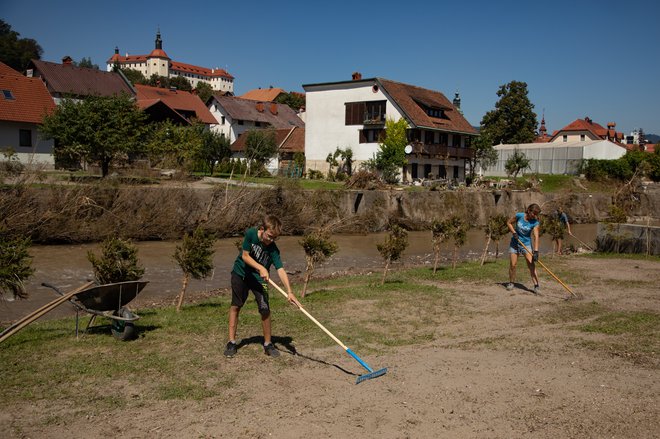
point(79, 81)
point(6, 70)
point(411, 100)
point(189, 68)
point(265, 94)
point(31, 101)
point(244, 109)
point(174, 65)
point(592, 127)
point(287, 140)
point(179, 100)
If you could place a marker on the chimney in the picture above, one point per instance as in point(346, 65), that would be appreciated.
point(611, 125)
point(357, 76)
point(587, 119)
point(260, 107)
point(273, 108)
point(67, 61)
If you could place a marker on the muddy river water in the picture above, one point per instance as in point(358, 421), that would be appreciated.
point(66, 266)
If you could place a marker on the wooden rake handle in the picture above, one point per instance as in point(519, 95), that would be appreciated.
point(20, 324)
point(311, 317)
point(548, 270)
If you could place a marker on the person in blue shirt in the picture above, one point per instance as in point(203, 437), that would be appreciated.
point(251, 273)
point(525, 228)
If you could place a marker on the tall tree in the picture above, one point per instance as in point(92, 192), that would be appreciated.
point(87, 62)
point(513, 120)
point(17, 52)
point(485, 155)
point(260, 146)
point(294, 100)
point(204, 91)
point(392, 156)
point(99, 129)
point(213, 147)
point(135, 76)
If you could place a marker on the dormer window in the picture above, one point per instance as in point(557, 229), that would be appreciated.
point(8, 95)
point(436, 112)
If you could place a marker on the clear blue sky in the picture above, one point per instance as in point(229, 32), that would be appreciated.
point(579, 58)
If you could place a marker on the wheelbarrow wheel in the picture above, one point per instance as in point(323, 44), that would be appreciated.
point(121, 329)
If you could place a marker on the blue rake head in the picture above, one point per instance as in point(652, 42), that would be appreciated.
point(370, 375)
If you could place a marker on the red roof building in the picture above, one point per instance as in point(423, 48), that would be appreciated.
point(157, 62)
point(587, 129)
point(177, 105)
point(23, 104)
point(66, 80)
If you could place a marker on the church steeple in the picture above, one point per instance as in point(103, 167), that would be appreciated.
point(543, 132)
point(457, 102)
point(159, 42)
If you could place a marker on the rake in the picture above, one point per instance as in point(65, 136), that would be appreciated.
point(581, 242)
point(367, 376)
point(550, 272)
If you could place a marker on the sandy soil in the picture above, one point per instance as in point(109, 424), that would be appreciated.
point(499, 369)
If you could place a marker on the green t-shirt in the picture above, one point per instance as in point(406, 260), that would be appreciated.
point(266, 255)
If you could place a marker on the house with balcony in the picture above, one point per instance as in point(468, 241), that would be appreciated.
point(353, 114)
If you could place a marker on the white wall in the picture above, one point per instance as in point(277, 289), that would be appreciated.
point(40, 152)
point(556, 158)
point(325, 128)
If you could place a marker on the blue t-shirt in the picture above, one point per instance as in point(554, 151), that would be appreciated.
point(265, 255)
point(524, 230)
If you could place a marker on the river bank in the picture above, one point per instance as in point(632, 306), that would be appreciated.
point(66, 266)
point(79, 213)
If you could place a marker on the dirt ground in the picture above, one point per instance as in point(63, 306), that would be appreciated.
point(500, 369)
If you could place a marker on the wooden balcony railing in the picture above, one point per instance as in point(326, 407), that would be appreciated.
point(438, 151)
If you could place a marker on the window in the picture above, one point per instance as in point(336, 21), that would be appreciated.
point(25, 138)
point(436, 112)
point(456, 141)
point(581, 137)
point(8, 95)
point(370, 135)
point(240, 122)
point(565, 138)
point(444, 139)
point(222, 120)
point(357, 113)
point(429, 137)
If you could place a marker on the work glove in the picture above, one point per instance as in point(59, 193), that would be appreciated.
point(535, 256)
point(515, 237)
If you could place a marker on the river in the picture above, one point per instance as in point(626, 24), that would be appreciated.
point(66, 266)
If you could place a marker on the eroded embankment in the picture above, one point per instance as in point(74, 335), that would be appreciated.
point(91, 213)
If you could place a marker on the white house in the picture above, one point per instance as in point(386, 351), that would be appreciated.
point(23, 104)
point(556, 157)
point(353, 114)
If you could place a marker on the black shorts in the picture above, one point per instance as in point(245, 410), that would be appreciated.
point(240, 289)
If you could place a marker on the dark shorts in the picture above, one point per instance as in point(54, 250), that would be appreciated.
point(240, 289)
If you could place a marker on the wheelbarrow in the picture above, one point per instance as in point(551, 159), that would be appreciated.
point(108, 300)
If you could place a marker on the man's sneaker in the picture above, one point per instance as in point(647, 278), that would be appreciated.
point(509, 286)
point(271, 350)
point(230, 350)
point(537, 289)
